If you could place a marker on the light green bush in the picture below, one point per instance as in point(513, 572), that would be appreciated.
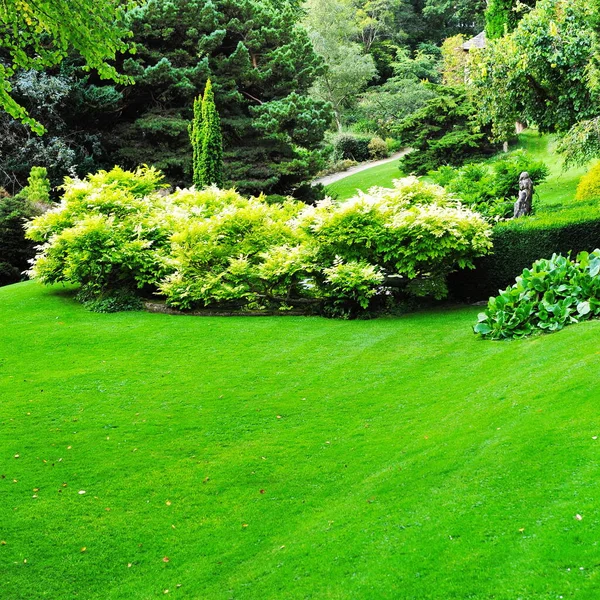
point(378, 149)
point(589, 185)
point(114, 232)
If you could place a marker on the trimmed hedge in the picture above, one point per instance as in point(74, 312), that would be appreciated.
point(518, 244)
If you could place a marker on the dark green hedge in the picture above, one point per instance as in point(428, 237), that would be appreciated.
point(517, 244)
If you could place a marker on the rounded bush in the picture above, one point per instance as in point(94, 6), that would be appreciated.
point(350, 146)
point(589, 186)
point(378, 149)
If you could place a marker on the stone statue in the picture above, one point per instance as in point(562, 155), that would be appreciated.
point(523, 204)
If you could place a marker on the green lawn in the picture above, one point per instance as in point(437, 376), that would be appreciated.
point(382, 175)
point(296, 458)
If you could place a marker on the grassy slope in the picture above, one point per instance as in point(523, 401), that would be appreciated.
point(411, 460)
point(382, 175)
point(555, 194)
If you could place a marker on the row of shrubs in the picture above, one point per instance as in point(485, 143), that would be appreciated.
point(119, 233)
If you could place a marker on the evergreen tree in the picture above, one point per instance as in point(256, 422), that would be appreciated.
point(195, 131)
point(264, 63)
point(210, 164)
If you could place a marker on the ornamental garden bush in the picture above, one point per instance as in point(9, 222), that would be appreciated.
point(551, 294)
point(589, 185)
point(119, 233)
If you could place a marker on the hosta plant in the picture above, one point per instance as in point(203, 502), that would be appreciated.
point(551, 294)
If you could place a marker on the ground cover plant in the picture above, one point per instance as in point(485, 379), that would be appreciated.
point(292, 457)
point(551, 294)
point(117, 232)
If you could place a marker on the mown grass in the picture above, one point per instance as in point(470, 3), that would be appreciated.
point(293, 457)
point(382, 175)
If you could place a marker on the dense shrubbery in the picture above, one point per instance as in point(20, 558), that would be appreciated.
point(378, 149)
point(520, 242)
point(589, 185)
point(553, 293)
point(491, 188)
point(15, 250)
point(116, 231)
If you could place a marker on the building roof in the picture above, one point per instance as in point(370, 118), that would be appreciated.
point(476, 42)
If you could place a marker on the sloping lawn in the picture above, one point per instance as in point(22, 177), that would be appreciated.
point(293, 457)
point(382, 175)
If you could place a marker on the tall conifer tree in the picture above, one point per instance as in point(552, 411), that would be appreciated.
point(195, 131)
point(211, 156)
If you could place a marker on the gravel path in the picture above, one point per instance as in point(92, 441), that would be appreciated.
point(358, 168)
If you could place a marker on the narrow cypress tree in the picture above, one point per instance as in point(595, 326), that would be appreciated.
point(211, 157)
point(195, 131)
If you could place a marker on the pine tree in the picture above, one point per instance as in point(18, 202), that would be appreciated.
point(195, 132)
point(210, 166)
point(265, 65)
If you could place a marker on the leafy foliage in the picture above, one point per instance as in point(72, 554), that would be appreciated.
point(39, 35)
point(541, 72)
point(349, 146)
point(502, 16)
point(332, 25)
point(555, 292)
point(382, 108)
point(210, 161)
point(15, 250)
point(261, 63)
point(518, 243)
point(114, 233)
point(104, 234)
point(64, 102)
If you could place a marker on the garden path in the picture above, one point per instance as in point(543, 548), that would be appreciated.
point(328, 179)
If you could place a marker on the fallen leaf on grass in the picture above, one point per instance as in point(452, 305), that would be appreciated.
point(522, 530)
point(578, 517)
point(262, 491)
point(16, 456)
point(168, 503)
point(84, 549)
point(165, 559)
